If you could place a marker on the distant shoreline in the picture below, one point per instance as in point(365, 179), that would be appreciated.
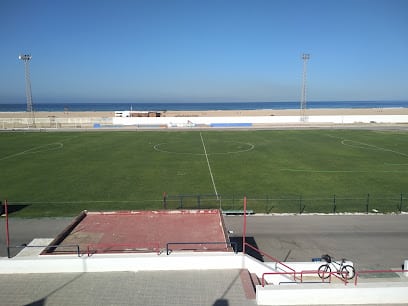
point(201, 106)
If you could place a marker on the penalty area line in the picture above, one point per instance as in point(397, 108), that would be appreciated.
point(209, 166)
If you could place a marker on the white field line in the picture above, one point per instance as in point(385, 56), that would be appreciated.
point(209, 166)
point(362, 145)
point(40, 149)
point(369, 147)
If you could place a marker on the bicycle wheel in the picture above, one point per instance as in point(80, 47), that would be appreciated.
point(324, 271)
point(348, 272)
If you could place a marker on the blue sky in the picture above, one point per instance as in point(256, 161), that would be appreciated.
point(203, 51)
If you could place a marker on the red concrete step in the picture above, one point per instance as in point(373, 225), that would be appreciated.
point(249, 282)
point(255, 280)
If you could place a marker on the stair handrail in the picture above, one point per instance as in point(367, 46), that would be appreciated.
point(277, 261)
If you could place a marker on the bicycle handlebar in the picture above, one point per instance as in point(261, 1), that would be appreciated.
point(329, 259)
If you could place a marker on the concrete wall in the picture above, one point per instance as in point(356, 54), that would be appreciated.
point(291, 294)
point(74, 122)
point(88, 122)
point(186, 121)
point(120, 262)
point(150, 262)
point(333, 294)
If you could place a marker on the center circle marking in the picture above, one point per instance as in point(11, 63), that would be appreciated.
point(244, 147)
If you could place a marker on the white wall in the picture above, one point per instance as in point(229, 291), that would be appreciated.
point(308, 294)
point(148, 262)
point(333, 294)
point(120, 262)
point(259, 120)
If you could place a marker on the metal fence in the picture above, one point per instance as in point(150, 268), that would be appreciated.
point(292, 204)
point(257, 203)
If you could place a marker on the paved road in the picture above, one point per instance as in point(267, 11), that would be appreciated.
point(25, 230)
point(370, 241)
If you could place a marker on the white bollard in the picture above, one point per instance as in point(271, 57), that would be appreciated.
point(406, 268)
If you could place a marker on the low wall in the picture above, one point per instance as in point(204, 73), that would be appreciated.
point(333, 294)
point(290, 294)
point(120, 262)
point(74, 122)
point(247, 120)
point(147, 262)
point(226, 122)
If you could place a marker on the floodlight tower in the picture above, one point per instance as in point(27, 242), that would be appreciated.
point(305, 58)
point(26, 58)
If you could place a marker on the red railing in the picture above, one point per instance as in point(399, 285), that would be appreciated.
point(376, 271)
point(313, 272)
point(335, 273)
point(145, 247)
point(245, 244)
point(293, 271)
point(272, 273)
point(331, 273)
point(305, 272)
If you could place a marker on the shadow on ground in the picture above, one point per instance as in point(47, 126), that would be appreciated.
point(251, 241)
point(12, 208)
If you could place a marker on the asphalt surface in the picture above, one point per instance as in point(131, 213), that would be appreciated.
point(24, 230)
point(370, 241)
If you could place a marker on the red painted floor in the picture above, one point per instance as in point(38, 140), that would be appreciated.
point(147, 231)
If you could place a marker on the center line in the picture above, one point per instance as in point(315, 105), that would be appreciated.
point(209, 167)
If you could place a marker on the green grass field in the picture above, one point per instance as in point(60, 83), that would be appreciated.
point(62, 173)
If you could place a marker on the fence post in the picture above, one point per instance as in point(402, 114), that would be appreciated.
point(164, 200)
point(233, 201)
point(300, 204)
point(7, 228)
point(334, 204)
point(244, 229)
point(220, 199)
point(400, 206)
point(198, 201)
point(367, 202)
point(267, 204)
point(181, 201)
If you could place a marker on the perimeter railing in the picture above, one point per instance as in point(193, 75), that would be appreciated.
point(123, 248)
point(49, 248)
point(231, 244)
point(366, 203)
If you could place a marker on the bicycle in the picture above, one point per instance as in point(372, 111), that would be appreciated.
point(346, 272)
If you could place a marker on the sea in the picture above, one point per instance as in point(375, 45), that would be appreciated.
point(195, 106)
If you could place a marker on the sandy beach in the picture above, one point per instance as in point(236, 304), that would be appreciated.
point(221, 113)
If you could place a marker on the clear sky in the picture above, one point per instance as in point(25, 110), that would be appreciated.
point(204, 50)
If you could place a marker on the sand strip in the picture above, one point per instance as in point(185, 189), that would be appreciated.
point(221, 113)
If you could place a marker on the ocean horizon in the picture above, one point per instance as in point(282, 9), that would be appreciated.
point(195, 106)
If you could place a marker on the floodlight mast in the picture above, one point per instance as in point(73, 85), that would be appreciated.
point(26, 58)
point(303, 117)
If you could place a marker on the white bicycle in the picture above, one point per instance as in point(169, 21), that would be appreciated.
point(346, 272)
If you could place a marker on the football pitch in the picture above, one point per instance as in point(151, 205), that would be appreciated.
point(63, 173)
